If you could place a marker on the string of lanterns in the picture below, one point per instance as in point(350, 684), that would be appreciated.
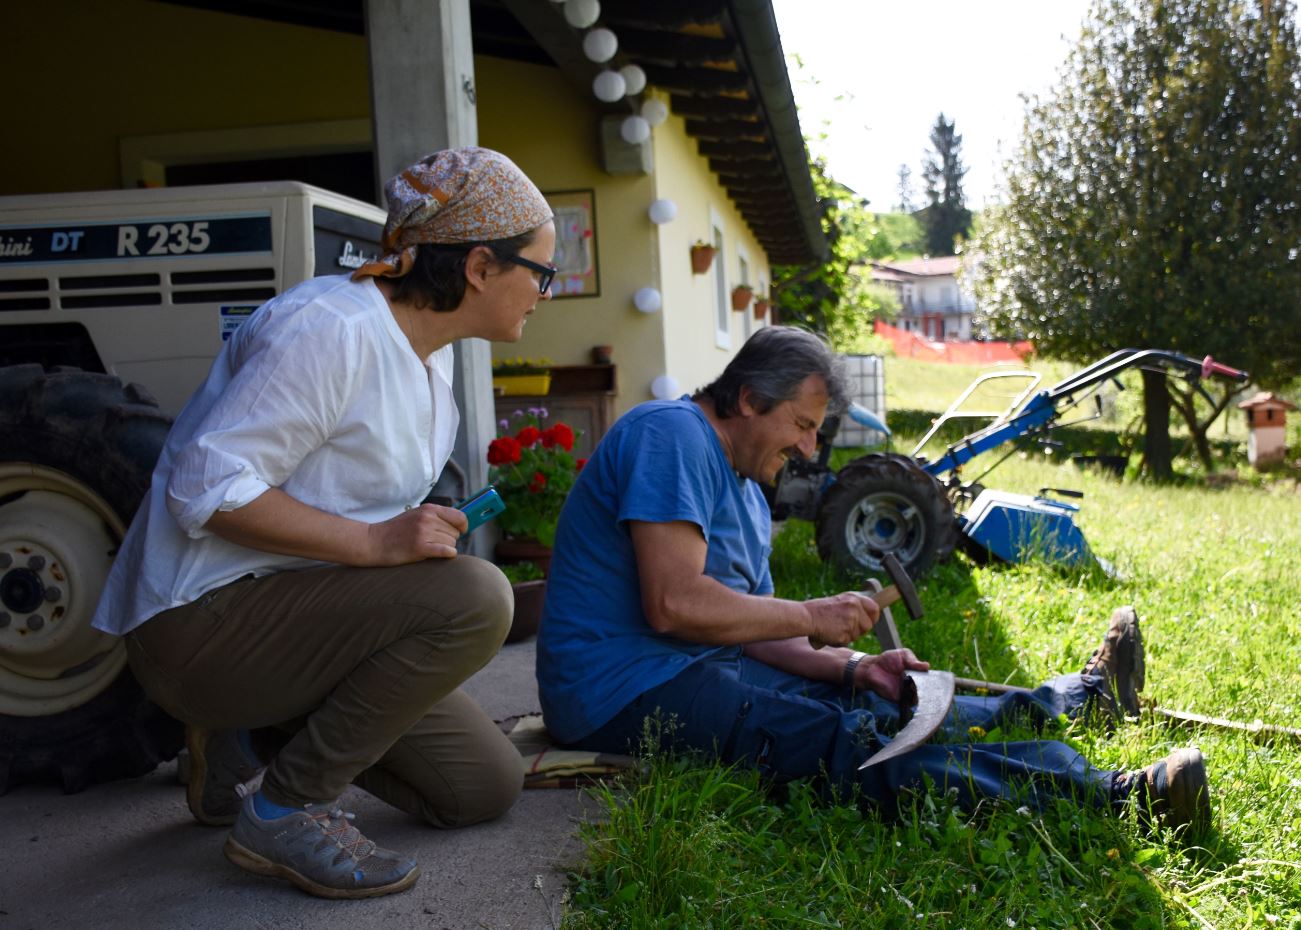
point(600, 45)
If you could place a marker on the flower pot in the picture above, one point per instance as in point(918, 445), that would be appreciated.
point(514, 551)
point(529, 598)
point(702, 256)
point(602, 355)
point(760, 309)
point(522, 384)
point(741, 297)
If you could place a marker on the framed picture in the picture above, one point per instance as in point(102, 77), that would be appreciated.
point(578, 274)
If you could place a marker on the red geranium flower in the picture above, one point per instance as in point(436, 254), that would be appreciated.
point(503, 451)
point(528, 436)
point(559, 435)
point(579, 463)
point(538, 483)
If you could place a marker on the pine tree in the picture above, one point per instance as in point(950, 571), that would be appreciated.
point(946, 217)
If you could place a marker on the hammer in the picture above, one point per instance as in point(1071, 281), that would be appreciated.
point(902, 589)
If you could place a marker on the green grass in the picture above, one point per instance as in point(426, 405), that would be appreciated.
point(1213, 575)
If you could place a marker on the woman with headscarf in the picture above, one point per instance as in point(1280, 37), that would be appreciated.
point(285, 591)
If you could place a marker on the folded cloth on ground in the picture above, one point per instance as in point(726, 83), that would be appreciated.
point(549, 766)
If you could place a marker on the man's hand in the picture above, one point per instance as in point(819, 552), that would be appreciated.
point(884, 673)
point(842, 618)
point(429, 531)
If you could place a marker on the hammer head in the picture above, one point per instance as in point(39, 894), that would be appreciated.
point(907, 593)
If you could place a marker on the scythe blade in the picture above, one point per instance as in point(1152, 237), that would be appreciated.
point(934, 698)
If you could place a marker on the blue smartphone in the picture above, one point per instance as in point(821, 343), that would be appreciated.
point(481, 507)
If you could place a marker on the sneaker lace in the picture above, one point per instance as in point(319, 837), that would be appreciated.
point(336, 824)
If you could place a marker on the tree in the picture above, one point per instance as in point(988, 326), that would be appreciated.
point(905, 189)
point(833, 297)
point(946, 217)
point(1154, 200)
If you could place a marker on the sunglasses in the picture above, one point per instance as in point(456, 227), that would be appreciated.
point(545, 272)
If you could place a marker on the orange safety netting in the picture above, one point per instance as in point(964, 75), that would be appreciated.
point(912, 345)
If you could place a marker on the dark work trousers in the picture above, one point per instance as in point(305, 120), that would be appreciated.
point(743, 711)
point(357, 670)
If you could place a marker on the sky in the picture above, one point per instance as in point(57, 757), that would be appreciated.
point(896, 66)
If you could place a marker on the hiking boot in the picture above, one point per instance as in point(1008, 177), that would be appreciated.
point(219, 762)
point(1119, 662)
point(1172, 793)
point(319, 850)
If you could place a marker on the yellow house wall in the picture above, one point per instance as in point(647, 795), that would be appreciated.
point(683, 176)
point(552, 131)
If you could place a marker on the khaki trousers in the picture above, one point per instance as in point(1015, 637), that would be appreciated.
point(358, 670)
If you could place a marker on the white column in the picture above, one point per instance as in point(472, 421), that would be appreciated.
point(423, 100)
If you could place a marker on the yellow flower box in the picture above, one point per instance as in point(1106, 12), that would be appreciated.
point(522, 384)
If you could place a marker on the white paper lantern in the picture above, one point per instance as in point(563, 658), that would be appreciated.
point(608, 86)
point(663, 211)
point(634, 77)
point(665, 387)
point(647, 300)
point(634, 130)
point(582, 13)
point(655, 111)
point(600, 45)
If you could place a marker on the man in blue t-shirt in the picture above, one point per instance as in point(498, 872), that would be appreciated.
point(659, 605)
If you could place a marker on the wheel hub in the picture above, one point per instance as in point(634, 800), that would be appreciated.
point(57, 540)
point(884, 522)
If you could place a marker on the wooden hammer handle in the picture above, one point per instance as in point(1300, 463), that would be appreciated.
point(884, 598)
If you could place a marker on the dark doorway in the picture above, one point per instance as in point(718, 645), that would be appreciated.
point(348, 173)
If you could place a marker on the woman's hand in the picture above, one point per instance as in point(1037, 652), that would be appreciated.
point(429, 531)
point(884, 673)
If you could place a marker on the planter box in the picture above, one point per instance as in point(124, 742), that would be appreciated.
point(522, 384)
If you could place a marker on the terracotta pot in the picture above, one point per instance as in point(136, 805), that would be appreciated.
point(514, 551)
point(760, 309)
point(602, 355)
point(741, 297)
point(702, 256)
point(529, 598)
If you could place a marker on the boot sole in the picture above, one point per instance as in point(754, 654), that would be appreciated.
point(252, 862)
point(1189, 791)
point(194, 742)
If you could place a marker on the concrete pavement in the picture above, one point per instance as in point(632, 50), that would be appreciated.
point(128, 854)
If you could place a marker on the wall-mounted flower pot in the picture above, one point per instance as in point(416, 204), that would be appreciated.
point(760, 308)
point(741, 297)
point(519, 385)
point(702, 256)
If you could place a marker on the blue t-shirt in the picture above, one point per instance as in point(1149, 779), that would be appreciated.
point(661, 462)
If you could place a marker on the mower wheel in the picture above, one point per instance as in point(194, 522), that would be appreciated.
point(885, 503)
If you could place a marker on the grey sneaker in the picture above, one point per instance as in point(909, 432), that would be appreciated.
point(218, 763)
point(319, 850)
point(1119, 661)
point(1173, 792)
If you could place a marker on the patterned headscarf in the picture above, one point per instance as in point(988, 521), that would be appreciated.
point(453, 197)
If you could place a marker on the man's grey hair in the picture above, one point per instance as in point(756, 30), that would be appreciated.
point(773, 363)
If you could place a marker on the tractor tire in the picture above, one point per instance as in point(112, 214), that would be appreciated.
point(885, 503)
point(76, 453)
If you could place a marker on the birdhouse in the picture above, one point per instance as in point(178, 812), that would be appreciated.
point(1266, 428)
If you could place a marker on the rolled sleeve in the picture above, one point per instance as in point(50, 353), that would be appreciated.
point(193, 511)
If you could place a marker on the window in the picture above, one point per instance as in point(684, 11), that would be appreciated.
point(722, 302)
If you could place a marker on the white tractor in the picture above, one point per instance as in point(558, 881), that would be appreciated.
point(112, 307)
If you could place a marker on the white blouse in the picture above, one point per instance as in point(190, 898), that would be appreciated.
point(318, 394)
